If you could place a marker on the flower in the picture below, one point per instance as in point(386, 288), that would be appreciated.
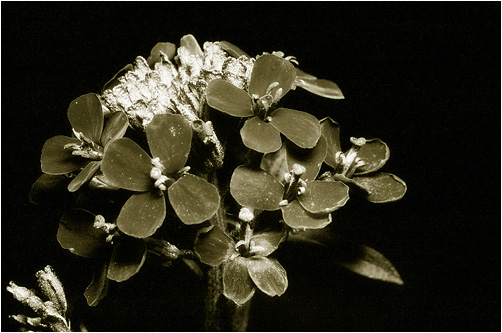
point(63, 155)
point(246, 264)
point(126, 165)
point(359, 165)
point(272, 77)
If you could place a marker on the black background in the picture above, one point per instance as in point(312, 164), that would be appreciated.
point(424, 77)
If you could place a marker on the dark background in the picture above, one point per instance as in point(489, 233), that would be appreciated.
point(424, 77)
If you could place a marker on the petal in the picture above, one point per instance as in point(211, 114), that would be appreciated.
point(300, 127)
point(98, 288)
point(86, 116)
point(76, 233)
point(237, 285)
point(84, 176)
point(311, 159)
point(268, 69)
point(320, 87)
point(169, 138)
point(169, 49)
point(194, 199)
point(225, 97)
point(191, 44)
point(56, 160)
point(375, 154)
point(324, 197)
point(260, 136)
point(142, 214)
point(115, 128)
point(114, 81)
point(268, 275)
point(127, 259)
point(263, 244)
point(256, 188)
point(298, 218)
point(214, 247)
point(232, 50)
point(382, 187)
point(331, 132)
point(125, 164)
point(47, 188)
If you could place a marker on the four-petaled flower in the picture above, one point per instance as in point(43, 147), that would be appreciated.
point(245, 264)
point(126, 165)
point(272, 77)
point(359, 165)
point(62, 154)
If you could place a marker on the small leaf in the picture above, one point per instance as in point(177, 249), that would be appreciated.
point(375, 153)
point(300, 127)
point(264, 243)
point(77, 233)
point(311, 159)
point(232, 50)
point(115, 128)
point(260, 136)
point(58, 161)
point(86, 116)
point(98, 288)
point(324, 197)
point(46, 186)
point(169, 49)
point(321, 87)
point(268, 275)
point(256, 188)
point(237, 285)
point(382, 187)
point(214, 247)
point(170, 138)
point(127, 259)
point(114, 81)
point(297, 217)
point(125, 164)
point(225, 97)
point(84, 176)
point(269, 69)
point(301, 75)
point(191, 44)
point(331, 132)
point(374, 265)
point(142, 214)
point(193, 199)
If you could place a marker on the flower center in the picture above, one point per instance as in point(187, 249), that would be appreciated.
point(85, 148)
point(157, 174)
point(349, 162)
point(262, 105)
point(295, 186)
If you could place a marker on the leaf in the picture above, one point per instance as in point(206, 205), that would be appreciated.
point(169, 49)
point(301, 75)
point(127, 259)
point(256, 188)
point(125, 164)
point(260, 136)
point(225, 97)
point(77, 233)
point(232, 50)
point(268, 69)
point(311, 159)
point(331, 132)
point(324, 197)
point(264, 243)
point(142, 214)
point(45, 187)
point(56, 160)
point(214, 247)
point(297, 217)
point(170, 138)
point(114, 81)
point(84, 176)
point(375, 153)
point(382, 187)
point(268, 275)
point(98, 288)
point(237, 285)
point(191, 44)
point(86, 116)
point(115, 128)
point(193, 199)
point(373, 265)
point(320, 87)
point(300, 127)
